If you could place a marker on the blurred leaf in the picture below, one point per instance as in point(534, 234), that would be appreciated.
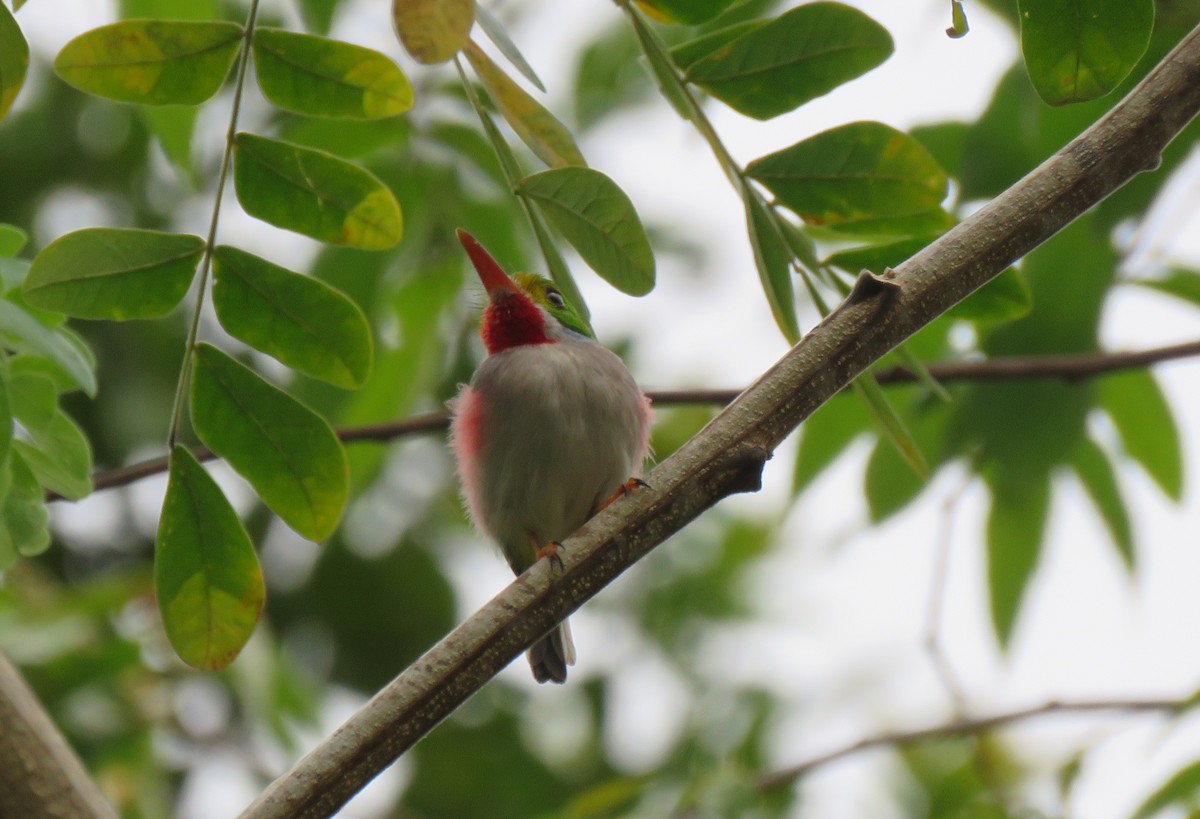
point(12, 239)
point(59, 455)
point(1078, 50)
point(608, 77)
point(153, 62)
point(857, 171)
point(1183, 786)
point(7, 411)
point(548, 138)
point(318, 14)
point(287, 452)
point(891, 425)
point(328, 78)
point(1015, 528)
point(826, 434)
point(173, 126)
point(206, 575)
point(945, 141)
point(496, 32)
point(470, 144)
point(664, 71)
point(799, 56)
point(32, 398)
point(934, 220)
point(168, 9)
point(314, 193)
point(599, 221)
point(684, 11)
point(22, 331)
point(25, 516)
point(111, 273)
point(433, 31)
point(1099, 478)
point(304, 323)
point(14, 60)
point(1182, 284)
point(773, 260)
point(1139, 410)
point(348, 138)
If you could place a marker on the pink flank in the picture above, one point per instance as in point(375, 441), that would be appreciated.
point(465, 431)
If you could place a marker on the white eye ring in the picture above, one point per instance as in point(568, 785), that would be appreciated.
point(555, 298)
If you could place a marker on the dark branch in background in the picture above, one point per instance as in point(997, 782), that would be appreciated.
point(727, 455)
point(1068, 367)
point(966, 727)
point(40, 776)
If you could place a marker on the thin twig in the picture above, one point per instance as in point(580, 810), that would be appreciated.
point(965, 727)
point(1069, 367)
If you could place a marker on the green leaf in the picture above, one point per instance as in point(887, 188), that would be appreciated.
point(548, 138)
point(891, 425)
point(1099, 478)
point(25, 515)
point(206, 575)
point(14, 60)
point(958, 21)
point(173, 126)
point(855, 172)
point(6, 410)
point(496, 32)
point(59, 454)
point(113, 273)
point(773, 260)
point(304, 323)
point(153, 62)
point(328, 78)
point(433, 31)
point(826, 434)
point(1015, 527)
point(692, 51)
point(684, 11)
point(12, 239)
point(32, 397)
point(599, 221)
point(287, 452)
point(1182, 284)
point(21, 331)
point(314, 193)
point(1140, 412)
point(799, 56)
point(1078, 50)
point(1183, 786)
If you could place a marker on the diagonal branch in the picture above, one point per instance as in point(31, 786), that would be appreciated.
point(40, 776)
point(728, 454)
point(1067, 367)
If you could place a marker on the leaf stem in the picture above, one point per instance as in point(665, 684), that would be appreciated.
point(185, 370)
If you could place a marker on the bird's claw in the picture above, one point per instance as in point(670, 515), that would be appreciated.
point(550, 550)
point(622, 490)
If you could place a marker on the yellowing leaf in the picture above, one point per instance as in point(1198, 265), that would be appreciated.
point(537, 127)
point(433, 31)
point(154, 62)
point(206, 575)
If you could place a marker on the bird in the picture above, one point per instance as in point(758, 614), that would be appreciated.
point(551, 428)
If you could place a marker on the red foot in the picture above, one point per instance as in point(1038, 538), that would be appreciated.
point(622, 490)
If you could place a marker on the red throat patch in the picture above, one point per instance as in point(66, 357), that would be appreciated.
point(512, 320)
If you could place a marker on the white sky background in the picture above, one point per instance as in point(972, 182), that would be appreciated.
point(843, 604)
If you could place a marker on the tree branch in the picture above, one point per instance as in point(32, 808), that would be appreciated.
point(728, 454)
point(1068, 367)
point(963, 727)
point(40, 776)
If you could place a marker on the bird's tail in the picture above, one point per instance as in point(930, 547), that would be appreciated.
point(550, 656)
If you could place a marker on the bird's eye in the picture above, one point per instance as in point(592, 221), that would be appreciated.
point(555, 298)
